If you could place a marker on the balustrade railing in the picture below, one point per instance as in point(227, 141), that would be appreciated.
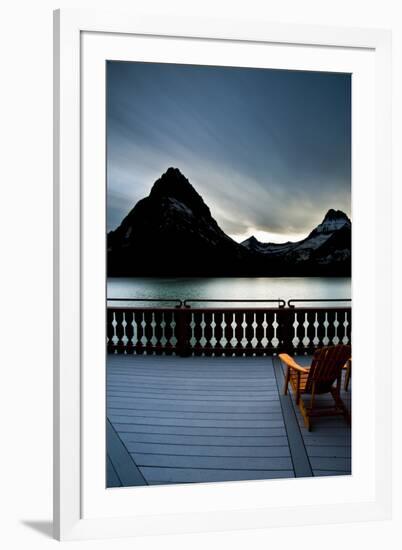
point(183, 330)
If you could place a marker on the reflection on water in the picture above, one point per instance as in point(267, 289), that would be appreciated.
point(235, 288)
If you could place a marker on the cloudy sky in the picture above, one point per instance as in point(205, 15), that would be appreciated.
point(268, 150)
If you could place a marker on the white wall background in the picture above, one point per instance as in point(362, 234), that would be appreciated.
point(26, 268)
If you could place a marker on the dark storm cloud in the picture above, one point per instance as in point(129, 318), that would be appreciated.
point(266, 149)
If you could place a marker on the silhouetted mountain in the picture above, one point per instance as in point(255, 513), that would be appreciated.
point(172, 233)
point(325, 251)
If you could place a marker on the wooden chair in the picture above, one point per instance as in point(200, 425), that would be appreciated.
point(325, 371)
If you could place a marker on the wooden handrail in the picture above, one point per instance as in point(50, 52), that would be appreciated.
point(281, 303)
point(178, 301)
point(292, 301)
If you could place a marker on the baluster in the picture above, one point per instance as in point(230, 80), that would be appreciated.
point(208, 348)
point(129, 331)
point(110, 331)
point(331, 330)
point(299, 330)
point(349, 327)
point(168, 317)
point(239, 332)
point(310, 331)
point(270, 329)
point(148, 330)
point(119, 331)
point(320, 328)
point(218, 332)
point(249, 332)
point(158, 331)
point(197, 315)
point(259, 333)
point(174, 325)
point(230, 332)
point(139, 346)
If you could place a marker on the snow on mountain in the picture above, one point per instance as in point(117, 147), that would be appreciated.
point(328, 243)
point(272, 248)
point(334, 220)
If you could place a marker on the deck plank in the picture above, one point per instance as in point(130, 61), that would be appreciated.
point(183, 475)
point(123, 464)
point(331, 463)
point(264, 451)
point(214, 462)
point(190, 406)
point(335, 451)
point(271, 413)
point(300, 458)
point(205, 440)
point(191, 430)
point(196, 422)
point(112, 479)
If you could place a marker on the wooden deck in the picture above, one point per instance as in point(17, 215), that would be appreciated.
point(196, 419)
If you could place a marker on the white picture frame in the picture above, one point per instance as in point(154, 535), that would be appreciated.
point(83, 508)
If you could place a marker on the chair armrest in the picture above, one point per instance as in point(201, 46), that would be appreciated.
point(290, 362)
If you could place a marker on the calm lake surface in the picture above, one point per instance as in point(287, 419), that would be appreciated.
point(236, 288)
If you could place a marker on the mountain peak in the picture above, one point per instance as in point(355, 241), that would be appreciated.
point(333, 215)
point(251, 240)
point(170, 181)
point(333, 220)
point(173, 184)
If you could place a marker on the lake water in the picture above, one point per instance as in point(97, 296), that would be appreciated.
point(236, 288)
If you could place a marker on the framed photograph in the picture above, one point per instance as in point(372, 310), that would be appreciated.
point(222, 199)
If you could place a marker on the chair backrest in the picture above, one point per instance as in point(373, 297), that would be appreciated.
point(326, 366)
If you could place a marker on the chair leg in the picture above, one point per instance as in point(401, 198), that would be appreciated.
point(347, 376)
point(305, 414)
point(340, 404)
point(287, 379)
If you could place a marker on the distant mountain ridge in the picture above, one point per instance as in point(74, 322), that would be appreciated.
point(328, 244)
point(172, 233)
